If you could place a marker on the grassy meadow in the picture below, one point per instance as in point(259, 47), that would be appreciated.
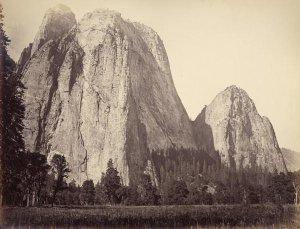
point(196, 216)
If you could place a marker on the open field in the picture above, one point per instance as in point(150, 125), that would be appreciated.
point(216, 216)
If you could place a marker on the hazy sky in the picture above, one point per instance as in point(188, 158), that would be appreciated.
point(211, 44)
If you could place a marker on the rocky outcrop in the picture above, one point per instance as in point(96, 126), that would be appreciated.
point(56, 23)
point(100, 89)
point(292, 159)
point(232, 126)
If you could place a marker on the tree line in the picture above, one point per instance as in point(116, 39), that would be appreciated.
point(45, 184)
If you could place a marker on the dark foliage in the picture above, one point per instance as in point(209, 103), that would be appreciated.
point(11, 125)
point(87, 196)
point(129, 195)
point(100, 192)
point(173, 163)
point(177, 192)
point(60, 169)
point(70, 195)
point(34, 177)
point(281, 189)
point(148, 192)
point(296, 185)
point(111, 183)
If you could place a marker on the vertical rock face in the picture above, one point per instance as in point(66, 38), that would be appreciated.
point(100, 89)
point(244, 139)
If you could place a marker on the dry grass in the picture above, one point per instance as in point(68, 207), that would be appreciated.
point(217, 216)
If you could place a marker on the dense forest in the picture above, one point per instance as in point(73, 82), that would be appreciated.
point(182, 176)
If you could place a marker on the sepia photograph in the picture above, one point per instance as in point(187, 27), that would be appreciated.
point(149, 114)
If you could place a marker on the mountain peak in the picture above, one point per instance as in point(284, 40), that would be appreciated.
point(236, 90)
point(59, 8)
point(243, 138)
point(99, 16)
point(236, 98)
point(106, 12)
point(57, 21)
point(232, 87)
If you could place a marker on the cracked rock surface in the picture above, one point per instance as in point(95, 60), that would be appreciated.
point(102, 88)
point(243, 138)
point(99, 89)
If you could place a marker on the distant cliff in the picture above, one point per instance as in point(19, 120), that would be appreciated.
point(292, 159)
point(243, 138)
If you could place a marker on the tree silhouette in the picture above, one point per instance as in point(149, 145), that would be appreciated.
point(111, 182)
point(11, 125)
point(60, 169)
point(148, 192)
point(34, 177)
point(281, 189)
point(296, 185)
point(177, 192)
point(100, 192)
point(87, 195)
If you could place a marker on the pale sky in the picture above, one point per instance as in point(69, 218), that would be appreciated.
point(211, 44)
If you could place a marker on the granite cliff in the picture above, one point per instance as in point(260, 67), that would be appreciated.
point(292, 159)
point(231, 125)
point(102, 88)
point(99, 89)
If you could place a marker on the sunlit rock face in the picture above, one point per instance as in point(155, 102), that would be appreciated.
point(292, 159)
point(102, 88)
point(99, 89)
point(243, 138)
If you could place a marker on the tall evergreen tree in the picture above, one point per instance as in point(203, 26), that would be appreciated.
point(148, 192)
point(112, 182)
point(11, 125)
point(100, 192)
point(60, 169)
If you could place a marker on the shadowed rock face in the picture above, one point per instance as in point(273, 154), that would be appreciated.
point(292, 159)
point(100, 89)
point(242, 137)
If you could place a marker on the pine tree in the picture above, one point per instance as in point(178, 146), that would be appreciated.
point(112, 182)
point(11, 125)
point(88, 192)
point(100, 192)
point(60, 169)
point(148, 192)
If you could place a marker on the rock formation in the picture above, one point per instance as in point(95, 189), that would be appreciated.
point(100, 89)
point(232, 126)
point(56, 23)
point(292, 159)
